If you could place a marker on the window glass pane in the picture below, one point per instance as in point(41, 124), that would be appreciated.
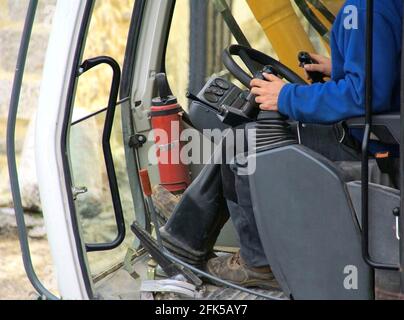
point(217, 37)
point(178, 50)
point(107, 36)
point(251, 28)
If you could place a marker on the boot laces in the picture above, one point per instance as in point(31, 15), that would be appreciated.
point(236, 259)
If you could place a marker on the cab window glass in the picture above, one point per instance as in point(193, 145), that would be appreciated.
point(197, 43)
point(107, 36)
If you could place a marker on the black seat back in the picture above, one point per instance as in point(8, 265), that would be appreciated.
point(308, 227)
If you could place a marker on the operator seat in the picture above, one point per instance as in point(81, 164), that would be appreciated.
point(308, 214)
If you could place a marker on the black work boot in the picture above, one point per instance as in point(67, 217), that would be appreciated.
point(232, 268)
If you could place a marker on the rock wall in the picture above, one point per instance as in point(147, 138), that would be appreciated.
point(12, 17)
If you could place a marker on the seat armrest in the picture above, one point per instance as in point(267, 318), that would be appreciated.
point(385, 126)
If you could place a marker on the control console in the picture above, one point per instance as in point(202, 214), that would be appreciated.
point(232, 105)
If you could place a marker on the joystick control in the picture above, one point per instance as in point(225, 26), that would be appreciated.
point(305, 59)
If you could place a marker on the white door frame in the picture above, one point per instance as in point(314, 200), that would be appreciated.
point(54, 97)
point(59, 64)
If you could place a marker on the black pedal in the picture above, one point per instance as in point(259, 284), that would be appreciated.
point(305, 59)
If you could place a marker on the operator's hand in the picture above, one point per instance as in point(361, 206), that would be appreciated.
point(324, 65)
point(267, 92)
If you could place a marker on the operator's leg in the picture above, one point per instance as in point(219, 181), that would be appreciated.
point(196, 222)
point(248, 268)
point(236, 190)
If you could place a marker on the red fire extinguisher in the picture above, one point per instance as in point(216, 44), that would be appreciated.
point(167, 125)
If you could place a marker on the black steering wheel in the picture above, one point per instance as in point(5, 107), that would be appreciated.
point(255, 61)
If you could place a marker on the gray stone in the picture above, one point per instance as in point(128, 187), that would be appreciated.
point(5, 93)
point(8, 223)
point(10, 44)
point(18, 10)
point(88, 206)
point(28, 98)
point(100, 229)
point(88, 166)
point(37, 233)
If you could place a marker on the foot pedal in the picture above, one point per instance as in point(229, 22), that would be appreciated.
point(170, 268)
point(181, 288)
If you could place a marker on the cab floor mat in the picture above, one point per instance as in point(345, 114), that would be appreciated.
point(213, 293)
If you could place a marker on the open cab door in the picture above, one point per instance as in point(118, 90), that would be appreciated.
point(68, 138)
point(69, 18)
point(88, 212)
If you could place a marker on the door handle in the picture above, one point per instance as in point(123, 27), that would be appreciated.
point(109, 161)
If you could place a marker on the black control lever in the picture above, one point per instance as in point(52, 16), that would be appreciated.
point(250, 109)
point(305, 59)
point(266, 69)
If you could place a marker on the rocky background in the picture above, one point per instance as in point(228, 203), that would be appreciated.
point(12, 16)
point(13, 282)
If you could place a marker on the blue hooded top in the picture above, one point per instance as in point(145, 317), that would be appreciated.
point(344, 96)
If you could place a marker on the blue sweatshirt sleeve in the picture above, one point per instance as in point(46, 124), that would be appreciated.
point(344, 97)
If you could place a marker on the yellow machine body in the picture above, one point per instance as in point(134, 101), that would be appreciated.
point(284, 28)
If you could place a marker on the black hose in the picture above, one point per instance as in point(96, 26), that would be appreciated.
point(323, 10)
point(313, 19)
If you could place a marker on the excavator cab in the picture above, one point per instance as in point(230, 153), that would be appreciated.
point(331, 236)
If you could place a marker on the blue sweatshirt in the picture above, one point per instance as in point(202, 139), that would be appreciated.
point(344, 96)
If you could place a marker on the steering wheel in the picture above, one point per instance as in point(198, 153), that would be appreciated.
point(255, 61)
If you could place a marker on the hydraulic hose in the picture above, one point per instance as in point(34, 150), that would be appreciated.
point(323, 10)
point(322, 30)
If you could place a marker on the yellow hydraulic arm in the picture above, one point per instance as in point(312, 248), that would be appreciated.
point(283, 29)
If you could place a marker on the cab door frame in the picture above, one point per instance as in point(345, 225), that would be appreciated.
point(71, 22)
point(69, 28)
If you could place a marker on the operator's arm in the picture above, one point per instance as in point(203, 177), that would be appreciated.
point(343, 98)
